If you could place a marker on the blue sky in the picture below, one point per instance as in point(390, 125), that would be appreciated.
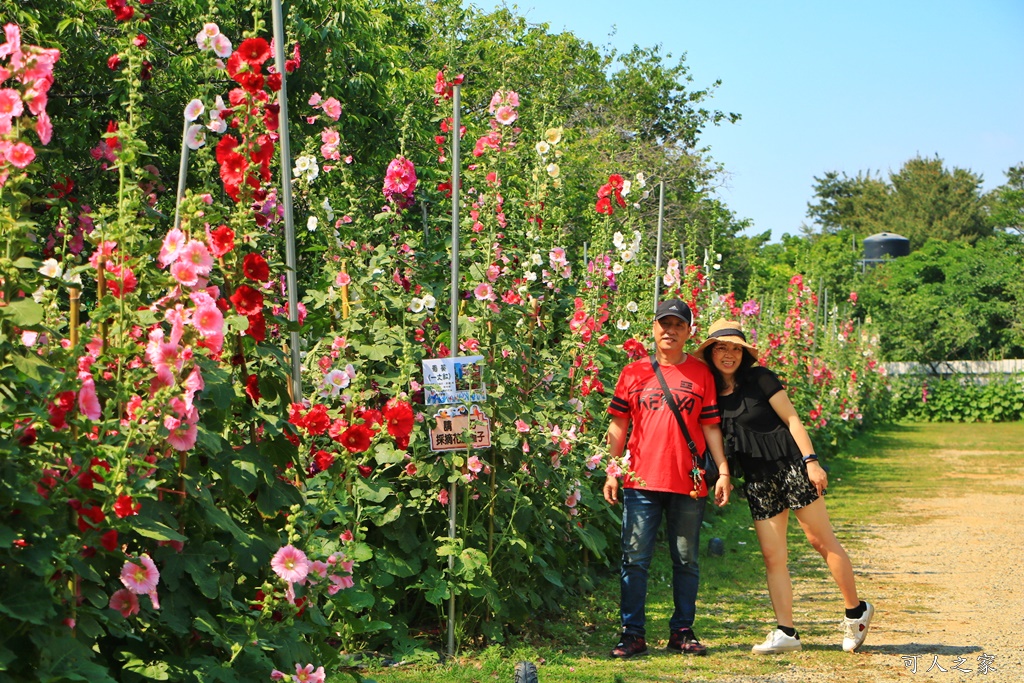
point(827, 85)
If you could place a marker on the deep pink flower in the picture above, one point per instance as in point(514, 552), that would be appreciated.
point(21, 154)
point(196, 253)
point(484, 292)
point(306, 674)
point(332, 108)
point(291, 564)
point(185, 273)
point(174, 242)
point(44, 128)
point(10, 104)
point(88, 402)
point(125, 602)
point(208, 320)
point(140, 578)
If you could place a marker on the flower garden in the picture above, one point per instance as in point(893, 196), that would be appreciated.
point(172, 510)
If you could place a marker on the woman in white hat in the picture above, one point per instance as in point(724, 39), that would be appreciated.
point(765, 438)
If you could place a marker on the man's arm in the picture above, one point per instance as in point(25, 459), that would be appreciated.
point(617, 431)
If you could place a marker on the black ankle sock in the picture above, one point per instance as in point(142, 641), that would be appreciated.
point(789, 631)
point(857, 612)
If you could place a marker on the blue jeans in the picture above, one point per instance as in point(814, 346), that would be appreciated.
point(640, 521)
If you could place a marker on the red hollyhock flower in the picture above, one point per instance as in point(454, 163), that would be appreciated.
point(225, 147)
point(316, 420)
point(255, 268)
point(274, 82)
point(252, 388)
point(257, 327)
point(247, 301)
point(399, 418)
point(140, 40)
point(125, 507)
point(296, 415)
point(356, 439)
point(634, 349)
point(235, 65)
point(109, 540)
point(365, 470)
point(251, 81)
point(222, 240)
point(322, 461)
point(113, 62)
point(90, 517)
point(604, 206)
point(254, 51)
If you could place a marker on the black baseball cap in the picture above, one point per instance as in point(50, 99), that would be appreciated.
point(676, 307)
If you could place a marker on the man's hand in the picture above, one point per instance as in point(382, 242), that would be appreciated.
point(611, 490)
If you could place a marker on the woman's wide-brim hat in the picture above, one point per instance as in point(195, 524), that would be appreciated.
point(726, 331)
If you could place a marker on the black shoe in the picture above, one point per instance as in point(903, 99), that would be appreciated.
point(630, 645)
point(684, 640)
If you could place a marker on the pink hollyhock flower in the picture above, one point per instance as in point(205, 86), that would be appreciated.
point(339, 583)
point(185, 273)
point(173, 244)
point(44, 128)
point(208, 320)
point(276, 675)
point(10, 104)
point(125, 602)
point(183, 433)
point(332, 108)
point(318, 568)
point(329, 136)
point(221, 46)
point(346, 535)
point(522, 427)
point(291, 564)
point(196, 253)
point(21, 154)
point(474, 464)
point(88, 402)
point(484, 292)
point(194, 109)
point(442, 497)
point(140, 578)
point(343, 279)
point(306, 674)
point(400, 181)
point(195, 136)
point(506, 116)
point(12, 44)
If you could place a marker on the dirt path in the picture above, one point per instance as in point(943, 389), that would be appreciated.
point(947, 577)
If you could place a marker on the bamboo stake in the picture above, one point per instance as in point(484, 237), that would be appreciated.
point(452, 515)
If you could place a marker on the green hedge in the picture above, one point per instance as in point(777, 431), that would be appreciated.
point(957, 399)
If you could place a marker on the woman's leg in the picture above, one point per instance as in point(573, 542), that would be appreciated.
point(818, 529)
point(771, 534)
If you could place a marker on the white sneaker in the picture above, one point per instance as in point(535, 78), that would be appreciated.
point(856, 630)
point(777, 642)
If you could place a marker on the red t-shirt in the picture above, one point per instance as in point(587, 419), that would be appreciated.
point(659, 456)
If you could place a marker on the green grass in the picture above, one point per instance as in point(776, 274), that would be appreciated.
point(733, 610)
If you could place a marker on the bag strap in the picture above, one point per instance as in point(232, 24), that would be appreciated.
point(671, 400)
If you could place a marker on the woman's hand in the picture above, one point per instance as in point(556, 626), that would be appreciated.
point(722, 488)
point(818, 476)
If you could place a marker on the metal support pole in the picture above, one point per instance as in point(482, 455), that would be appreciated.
point(657, 258)
point(453, 490)
point(286, 200)
point(182, 172)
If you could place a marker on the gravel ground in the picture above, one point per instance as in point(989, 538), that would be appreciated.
point(947, 578)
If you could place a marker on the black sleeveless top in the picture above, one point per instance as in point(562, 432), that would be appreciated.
point(756, 438)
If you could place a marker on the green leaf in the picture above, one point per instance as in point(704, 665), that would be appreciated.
point(156, 671)
point(23, 313)
point(29, 602)
point(150, 528)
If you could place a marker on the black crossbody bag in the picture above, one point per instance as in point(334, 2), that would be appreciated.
point(704, 466)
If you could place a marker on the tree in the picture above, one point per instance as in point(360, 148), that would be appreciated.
point(844, 203)
point(1006, 202)
point(949, 301)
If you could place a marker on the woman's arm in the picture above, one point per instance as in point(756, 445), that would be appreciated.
point(783, 407)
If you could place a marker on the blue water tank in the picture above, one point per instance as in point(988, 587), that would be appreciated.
point(885, 245)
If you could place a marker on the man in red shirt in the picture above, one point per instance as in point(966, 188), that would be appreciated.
point(659, 481)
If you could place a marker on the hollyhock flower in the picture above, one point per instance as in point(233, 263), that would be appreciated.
point(306, 674)
point(21, 154)
point(255, 267)
point(183, 433)
point(109, 540)
point(542, 148)
point(506, 116)
point(332, 108)
point(442, 497)
point(247, 301)
point(141, 578)
point(125, 602)
point(254, 51)
point(11, 105)
point(339, 583)
point(400, 181)
point(221, 46)
point(399, 418)
point(346, 535)
point(185, 273)
point(291, 564)
point(51, 268)
point(484, 292)
point(356, 439)
point(257, 328)
point(126, 507)
point(196, 253)
point(172, 247)
point(221, 240)
point(195, 136)
point(88, 401)
point(208, 320)
point(194, 110)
